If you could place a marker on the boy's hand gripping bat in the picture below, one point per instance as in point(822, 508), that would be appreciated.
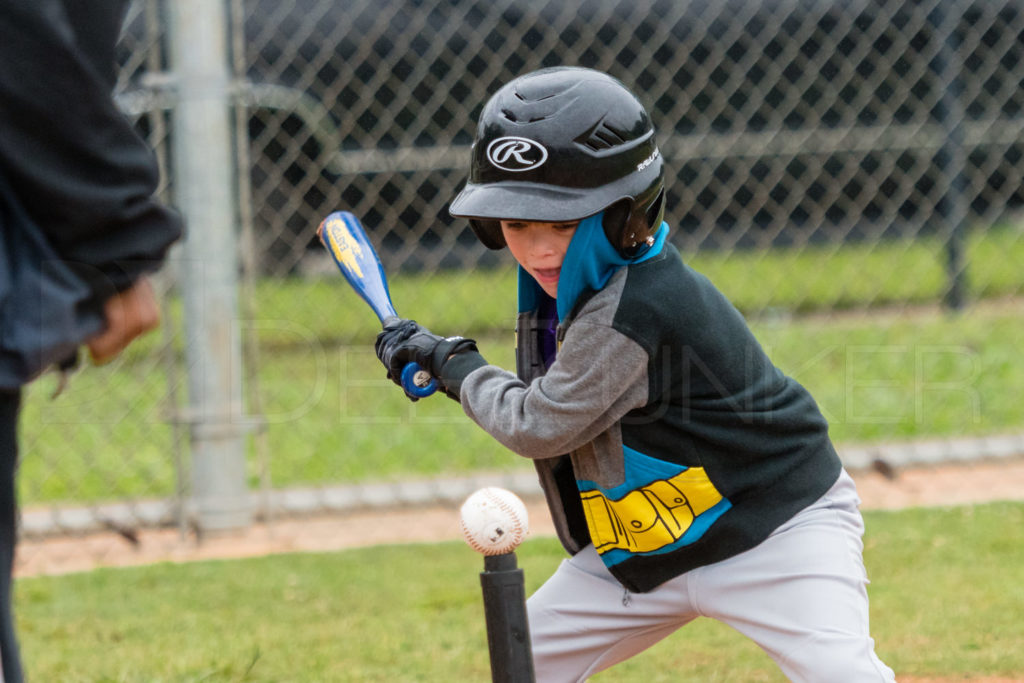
point(344, 237)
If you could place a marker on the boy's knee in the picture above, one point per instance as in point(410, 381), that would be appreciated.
point(837, 658)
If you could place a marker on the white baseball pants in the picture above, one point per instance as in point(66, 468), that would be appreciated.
point(801, 595)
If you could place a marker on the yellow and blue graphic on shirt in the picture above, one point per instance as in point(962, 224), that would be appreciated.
point(660, 507)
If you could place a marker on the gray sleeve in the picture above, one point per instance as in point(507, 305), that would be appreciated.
point(598, 376)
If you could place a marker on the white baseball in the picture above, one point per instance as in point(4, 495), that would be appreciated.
point(494, 521)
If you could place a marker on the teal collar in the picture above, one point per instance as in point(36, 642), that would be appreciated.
point(589, 263)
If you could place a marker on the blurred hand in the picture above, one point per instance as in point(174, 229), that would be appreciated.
point(129, 315)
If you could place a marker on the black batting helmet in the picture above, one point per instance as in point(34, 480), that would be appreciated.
point(561, 144)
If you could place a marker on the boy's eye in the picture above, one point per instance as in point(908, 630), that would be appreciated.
point(523, 225)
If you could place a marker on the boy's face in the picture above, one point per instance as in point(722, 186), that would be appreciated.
point(540, 249)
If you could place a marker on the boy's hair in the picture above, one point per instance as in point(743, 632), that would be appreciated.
point(562, 144)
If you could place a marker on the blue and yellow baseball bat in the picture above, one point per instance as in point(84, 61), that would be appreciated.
point(346, 240)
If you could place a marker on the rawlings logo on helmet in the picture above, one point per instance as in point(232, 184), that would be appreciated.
point(516, 154)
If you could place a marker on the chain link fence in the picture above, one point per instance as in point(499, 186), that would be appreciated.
point(784, 123)
point(823, 157)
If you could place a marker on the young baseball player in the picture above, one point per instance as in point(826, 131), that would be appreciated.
point(686, 475)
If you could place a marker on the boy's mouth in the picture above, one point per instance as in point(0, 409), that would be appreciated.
point(547, 274)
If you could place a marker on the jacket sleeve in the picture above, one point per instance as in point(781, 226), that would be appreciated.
point(82, 174)
point(598, 376)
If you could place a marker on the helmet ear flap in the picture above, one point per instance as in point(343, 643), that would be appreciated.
point(629, 226)
point(656, 211)
point(615, 222)
point(488, 232)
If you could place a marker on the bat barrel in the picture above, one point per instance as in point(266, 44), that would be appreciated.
point(348, 244)
point(343, 236)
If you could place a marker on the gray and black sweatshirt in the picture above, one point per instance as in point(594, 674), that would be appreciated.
point(662, 433)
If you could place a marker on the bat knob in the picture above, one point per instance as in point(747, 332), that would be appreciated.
point(417, 382)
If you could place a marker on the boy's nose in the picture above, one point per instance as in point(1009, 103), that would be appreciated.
point(541, 242)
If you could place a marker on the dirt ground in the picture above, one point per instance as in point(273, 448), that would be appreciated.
point(879, 489)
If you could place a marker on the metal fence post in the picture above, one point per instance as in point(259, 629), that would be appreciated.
point(204, 178)
point(952, 206)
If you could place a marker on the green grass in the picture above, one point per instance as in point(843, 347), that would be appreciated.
point(805, 279)
point(836, 277)
point(947, 593)
point(895, 377)
point(332, 417)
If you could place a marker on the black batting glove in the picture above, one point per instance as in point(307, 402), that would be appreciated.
point(403, 342)
point(396, 330)
point(429, 351)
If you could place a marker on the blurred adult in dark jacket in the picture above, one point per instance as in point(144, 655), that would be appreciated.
point(80, 226)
